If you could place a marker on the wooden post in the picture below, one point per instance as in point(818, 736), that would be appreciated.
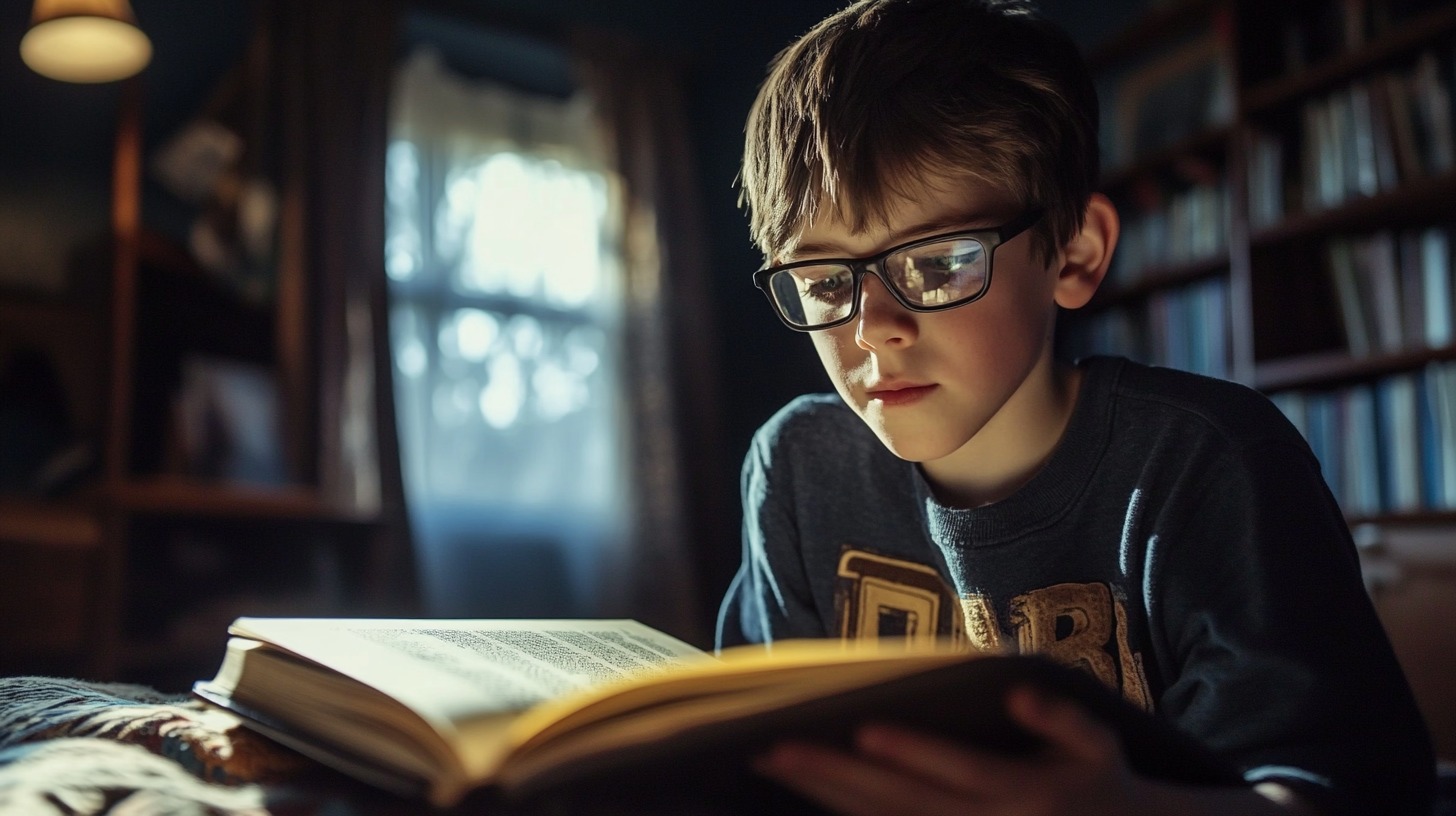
point(126, 202)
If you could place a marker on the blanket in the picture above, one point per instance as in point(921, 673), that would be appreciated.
point(77, 748)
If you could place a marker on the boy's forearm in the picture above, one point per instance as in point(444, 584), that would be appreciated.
point(1265, 799)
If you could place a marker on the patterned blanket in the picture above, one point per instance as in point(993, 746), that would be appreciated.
point(77, 748)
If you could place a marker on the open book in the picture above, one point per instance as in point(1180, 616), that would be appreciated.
point(440, 708)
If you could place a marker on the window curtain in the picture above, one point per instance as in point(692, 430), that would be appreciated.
point(641, 110)
point(507, 311)
point(331, 64)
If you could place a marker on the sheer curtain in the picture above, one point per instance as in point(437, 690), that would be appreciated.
point(507, 324)
point(681, 516)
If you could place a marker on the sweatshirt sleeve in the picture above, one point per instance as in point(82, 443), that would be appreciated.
point(770, 597)
point(1275, 656)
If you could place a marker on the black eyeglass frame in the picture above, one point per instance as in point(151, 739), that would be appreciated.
point(990, 237)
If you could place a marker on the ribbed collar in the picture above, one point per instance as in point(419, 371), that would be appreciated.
point(1053, 490)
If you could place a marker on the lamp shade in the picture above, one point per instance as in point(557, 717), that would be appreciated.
point(84, 40)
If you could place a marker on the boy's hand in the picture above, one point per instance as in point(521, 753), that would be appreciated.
point(898, 771)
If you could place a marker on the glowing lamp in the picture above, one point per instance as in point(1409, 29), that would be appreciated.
point(85, 40)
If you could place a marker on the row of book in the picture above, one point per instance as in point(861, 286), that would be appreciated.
point(1184, 328)
point(1362, 140)
point(1394, 289)
point(1388, 446)
point(1186, 226)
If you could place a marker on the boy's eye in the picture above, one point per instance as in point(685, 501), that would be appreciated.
point(828, 284)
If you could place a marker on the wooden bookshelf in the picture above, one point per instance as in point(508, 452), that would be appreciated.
point(98, 581)
point(1213, 139)
point(70, 524)
point(1338, 368)
point(182, 498)
point(1340, 275)
point(1268, 268)
point(1150, 29)
point(1425, 199)
point(1157, 278)
point(1412, 34)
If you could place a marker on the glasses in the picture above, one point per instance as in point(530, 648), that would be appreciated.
point(926, 275)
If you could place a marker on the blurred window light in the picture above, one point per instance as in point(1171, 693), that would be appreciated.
point(507, 310)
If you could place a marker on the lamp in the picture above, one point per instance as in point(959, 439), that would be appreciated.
point(85, 40)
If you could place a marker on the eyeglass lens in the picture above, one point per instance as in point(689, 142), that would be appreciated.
point(940, 273)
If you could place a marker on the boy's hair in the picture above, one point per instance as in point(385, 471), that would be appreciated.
point(885, 96)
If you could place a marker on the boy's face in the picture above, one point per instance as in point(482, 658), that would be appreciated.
point(927, 383)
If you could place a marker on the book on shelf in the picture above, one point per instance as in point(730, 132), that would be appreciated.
point(1266, 178)
point(1351, 299)
point(1363, 162)
point(1370, 136)
point(1357, 428)
point(1432, 442)
point(1439, 381)
point(1384, 446)
point(1394, 290)
point(1376, 271)
point(1395, 99)
point(1436, 287)
point(1432, 97)
point(448, 708)
point(1397, 404)
point(1412, 288)
point(1384, 149)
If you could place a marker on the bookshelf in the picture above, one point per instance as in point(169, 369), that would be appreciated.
point(1293, 228)
point(133, 569)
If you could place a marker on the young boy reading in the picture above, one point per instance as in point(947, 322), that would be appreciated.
point(920, 176)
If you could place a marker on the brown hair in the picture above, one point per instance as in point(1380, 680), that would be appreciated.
point(885, 96)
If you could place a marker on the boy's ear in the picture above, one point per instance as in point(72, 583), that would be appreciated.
point(1086, 257)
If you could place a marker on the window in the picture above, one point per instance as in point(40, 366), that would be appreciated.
point(506, 316)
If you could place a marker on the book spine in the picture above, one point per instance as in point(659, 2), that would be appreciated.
point(1436, 285)
point(1340, 254)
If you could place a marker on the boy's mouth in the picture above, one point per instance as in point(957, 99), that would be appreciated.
point(894, 393)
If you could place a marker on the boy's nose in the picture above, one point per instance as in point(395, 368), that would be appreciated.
point(883, 322)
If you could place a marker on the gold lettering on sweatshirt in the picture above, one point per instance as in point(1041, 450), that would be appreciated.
point(887, 597)
point(1084, 625)
point(1134, 679)
point(1070, 623)
point(980, 623)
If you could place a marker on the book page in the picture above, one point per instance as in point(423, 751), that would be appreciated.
point(453, 670)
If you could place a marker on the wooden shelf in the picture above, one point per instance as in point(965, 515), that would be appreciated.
point(1157, 278)
point(1215, 137)
point(1418, 518)
point(1152, 28)
point(181, 498)
point(1337, 367)
point(67, 524)
point(1411, 35)
point(1418, 200)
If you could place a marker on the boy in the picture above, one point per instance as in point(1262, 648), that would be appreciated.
point(920, 177)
